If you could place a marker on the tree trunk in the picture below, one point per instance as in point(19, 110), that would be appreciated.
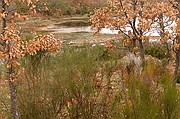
point(141, 49)
point(12, 88)
point(177, 63)
point(178, 41)
point(134, 42)
point(168, 54)
point(177, 60)
point(162, 27)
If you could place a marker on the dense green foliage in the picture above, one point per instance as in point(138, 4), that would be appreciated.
point(156, 50)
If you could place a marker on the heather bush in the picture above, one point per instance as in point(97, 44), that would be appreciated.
point(156, 50)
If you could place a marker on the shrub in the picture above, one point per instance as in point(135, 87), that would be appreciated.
point(156, 50)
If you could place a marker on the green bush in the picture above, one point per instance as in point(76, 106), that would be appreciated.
point(156, 50)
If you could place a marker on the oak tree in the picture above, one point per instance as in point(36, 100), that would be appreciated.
point(138, 20)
